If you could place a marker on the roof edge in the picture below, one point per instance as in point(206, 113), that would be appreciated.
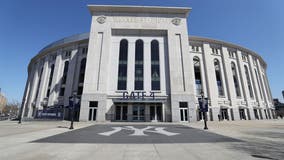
point(140, 9)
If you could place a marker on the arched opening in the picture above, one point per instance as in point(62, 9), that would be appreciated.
point(122, 67)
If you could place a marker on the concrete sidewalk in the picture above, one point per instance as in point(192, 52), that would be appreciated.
point(263, 139)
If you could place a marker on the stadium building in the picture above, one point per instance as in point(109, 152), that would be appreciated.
point(140, 64)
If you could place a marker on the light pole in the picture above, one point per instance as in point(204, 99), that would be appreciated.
point(74, 100)
point(283, 94)
point(44, 103)
point(20, 114)
point(204, 109)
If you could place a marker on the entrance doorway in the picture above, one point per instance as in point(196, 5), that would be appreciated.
point(121, 113)
point(92, 114)
point(156, 112)
point(138, 112)
point(183, 108)
point(242, 114)
point(224, 114)
point(183, 114)
point(255, 114)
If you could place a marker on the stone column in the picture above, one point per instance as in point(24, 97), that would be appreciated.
point(243, 80)
point(253, 79)
point(211, 81)
point(70, 75)
point(268, 87)
point(163, 112)
point(203, 75)
point(263, 87)
point(31, 79)
point(130, 112)
point(26, 96)
point(231, 90)
point(32, 96)
point(163, 66)
point(242, 76)
point(43, 84)
point(131, 66)
point(147, 65)
point(57, 74)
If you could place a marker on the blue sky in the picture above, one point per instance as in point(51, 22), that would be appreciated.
point(27, 26)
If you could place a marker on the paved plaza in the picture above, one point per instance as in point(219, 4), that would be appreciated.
point(149, 141)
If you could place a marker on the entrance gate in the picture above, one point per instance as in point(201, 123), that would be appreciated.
point(138, 112)
point(224, 114)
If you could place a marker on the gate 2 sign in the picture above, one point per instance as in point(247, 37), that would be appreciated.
point(203, 104)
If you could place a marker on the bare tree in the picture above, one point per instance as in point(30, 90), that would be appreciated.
point(11, 109)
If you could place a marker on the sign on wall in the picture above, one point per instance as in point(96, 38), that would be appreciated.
point(138, 95)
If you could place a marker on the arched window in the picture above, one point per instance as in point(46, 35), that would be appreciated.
point(122, 67)
point(38, 84)
point(50, 80)
point(82, 70)
point(267, 88)
point(197, 75)
point(155, 65)
point(259, 87)
point(219, 77)
point(236, 79)
point(81, 76)
point(139, 65)
point(65, 71)
point(248, 81)
point(64, 78)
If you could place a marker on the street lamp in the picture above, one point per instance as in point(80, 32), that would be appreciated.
point(204, 108)
point(44, 103)
point(20, 113)
point(74, 99)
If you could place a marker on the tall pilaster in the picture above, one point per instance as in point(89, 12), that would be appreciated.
point(211, 80)
point(147, 65)
point(43, 84)
point(55, 84)
point(254, 79)
point(228, 76)
point(31, 101)
point(70, 75)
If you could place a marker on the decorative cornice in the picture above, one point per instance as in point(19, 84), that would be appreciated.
point(140, 9)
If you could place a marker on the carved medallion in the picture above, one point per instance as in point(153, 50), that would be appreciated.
point(101, 19)
point(176, 21)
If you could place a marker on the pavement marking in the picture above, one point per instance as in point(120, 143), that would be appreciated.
point(109, 133)
point(139, 131)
